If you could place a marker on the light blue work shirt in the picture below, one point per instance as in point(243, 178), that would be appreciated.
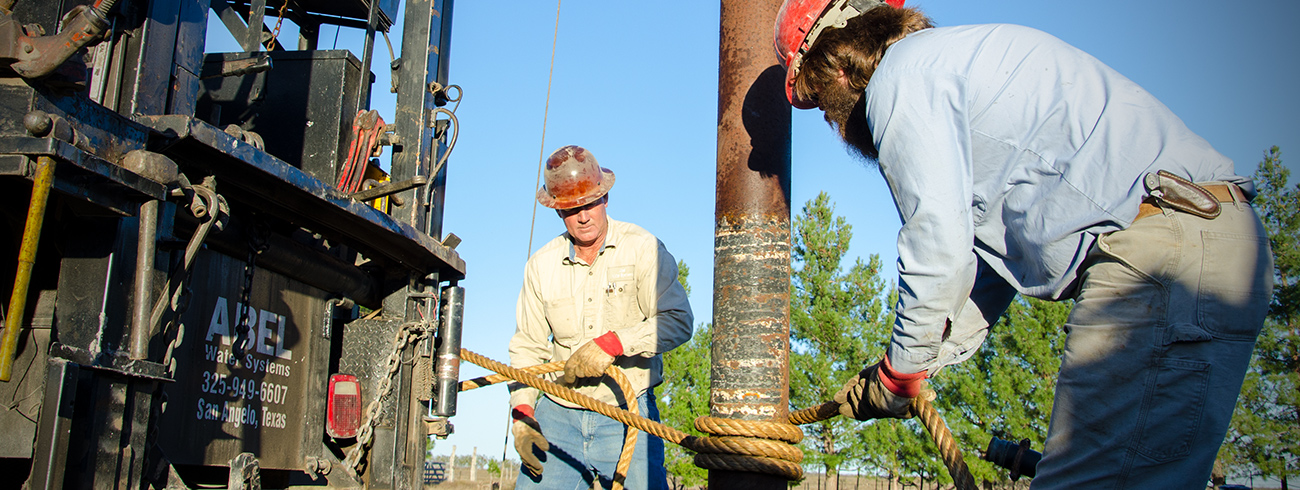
point(1008, 152)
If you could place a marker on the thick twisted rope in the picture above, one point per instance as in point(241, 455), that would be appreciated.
point(492, 379)
point(533, 372)
point(629, 438)
point(752, 446)
point(933, 423)
point(762, 457)
point(564, 393)
point(744, 445)
point(948, 449)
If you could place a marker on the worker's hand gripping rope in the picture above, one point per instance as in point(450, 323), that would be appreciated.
point(529, 436)
point(880, 392)
point(758, 446)
point(593, 358)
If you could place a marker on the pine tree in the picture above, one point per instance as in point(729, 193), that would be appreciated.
point(684, 395)
point(839, 323)
point(1006, 389)
point(1263, 439)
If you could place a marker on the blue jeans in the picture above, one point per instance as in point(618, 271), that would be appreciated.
point(1156, 348)
point(585, 447)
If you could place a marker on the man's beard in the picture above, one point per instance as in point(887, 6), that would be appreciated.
point(845, 110)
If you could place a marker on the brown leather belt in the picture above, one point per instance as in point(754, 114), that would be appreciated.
point(1223, 191)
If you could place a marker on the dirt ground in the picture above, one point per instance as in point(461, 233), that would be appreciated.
point(812, 481)
point(468, 485)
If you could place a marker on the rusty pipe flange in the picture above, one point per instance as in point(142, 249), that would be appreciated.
point(40, 56)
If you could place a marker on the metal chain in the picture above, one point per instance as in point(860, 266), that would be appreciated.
point(256, 245)
point(210, 207)
point(408, 334)
point(245, 296)
point(275, 33)
point(180, 304)
point(169, 358)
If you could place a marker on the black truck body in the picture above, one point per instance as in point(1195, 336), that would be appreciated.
point(196, 275)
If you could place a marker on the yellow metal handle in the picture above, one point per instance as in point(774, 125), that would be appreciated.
point(26, 259)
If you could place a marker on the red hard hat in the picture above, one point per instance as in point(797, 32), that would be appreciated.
point(573, 179)
point(800, 22)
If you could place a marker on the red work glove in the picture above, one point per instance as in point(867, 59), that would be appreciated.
point(591, 360)
point(528, 435)
point(880, 392)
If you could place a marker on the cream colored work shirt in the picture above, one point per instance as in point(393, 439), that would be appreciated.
point(631, 288)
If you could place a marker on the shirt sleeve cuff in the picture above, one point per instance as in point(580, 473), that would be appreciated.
point(521, 411)
point(610, 343)
point(908, 385)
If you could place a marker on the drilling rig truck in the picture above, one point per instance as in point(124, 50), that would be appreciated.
point(211, 281)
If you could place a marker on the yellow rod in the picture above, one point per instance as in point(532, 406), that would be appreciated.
point(41, 185)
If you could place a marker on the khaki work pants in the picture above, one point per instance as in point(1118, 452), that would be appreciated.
point(1156, 350)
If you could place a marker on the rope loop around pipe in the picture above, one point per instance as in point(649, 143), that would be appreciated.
point(749, 428)
point(748, 445)
point(738, 445)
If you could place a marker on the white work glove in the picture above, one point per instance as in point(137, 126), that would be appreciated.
point(592, 358)
point(880, 392)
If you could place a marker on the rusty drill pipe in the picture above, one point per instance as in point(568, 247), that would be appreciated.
point(41, 185)
point(751, 334)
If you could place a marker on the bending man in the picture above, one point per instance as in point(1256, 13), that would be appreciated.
point(1020, 164)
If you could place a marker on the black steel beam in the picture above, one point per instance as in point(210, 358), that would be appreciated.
point(85, 163)
point(246, 173)
point(252, 35)
point(234, 23)
point(425, 44)
point(55, 427)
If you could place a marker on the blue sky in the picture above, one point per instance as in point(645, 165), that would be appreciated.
point(637, 85)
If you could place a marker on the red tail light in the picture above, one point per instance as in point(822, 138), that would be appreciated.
point(344, 414)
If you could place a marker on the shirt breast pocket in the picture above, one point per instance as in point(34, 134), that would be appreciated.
point(563, 319)
point(620, 296)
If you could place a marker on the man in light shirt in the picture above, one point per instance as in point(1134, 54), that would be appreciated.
point(1020, 164)
point(604, 293)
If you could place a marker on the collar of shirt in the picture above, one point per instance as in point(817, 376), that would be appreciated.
point(572, 257)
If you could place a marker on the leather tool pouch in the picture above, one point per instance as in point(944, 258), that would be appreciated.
point(1181, 194)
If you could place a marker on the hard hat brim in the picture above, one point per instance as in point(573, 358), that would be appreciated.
point(545, 198)
point(790, 95)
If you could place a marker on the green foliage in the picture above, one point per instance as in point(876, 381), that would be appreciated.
point(897, 450)
point(841, 320)
point(683, 272)
point(839, 323)
point(1263, 439)
point(684, 395)
point(1279, 208)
